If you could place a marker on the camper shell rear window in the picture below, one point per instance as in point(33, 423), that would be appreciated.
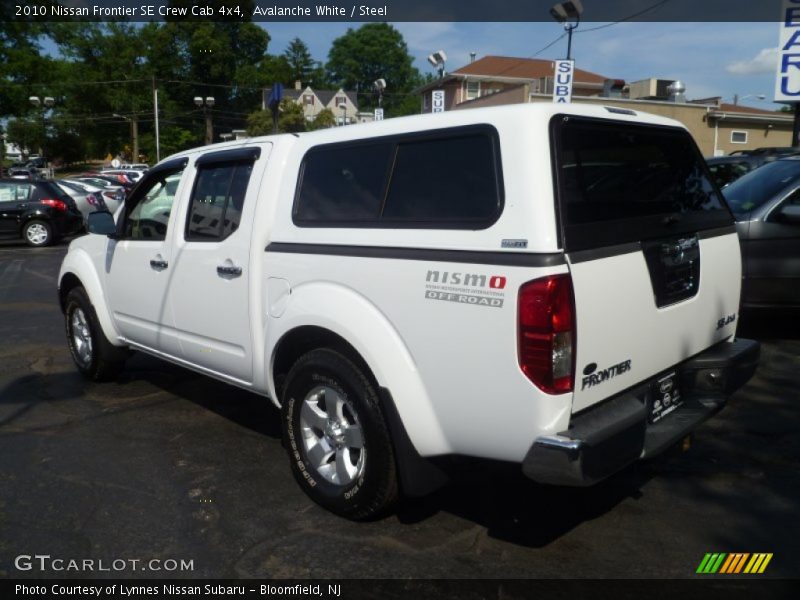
point(619, 182)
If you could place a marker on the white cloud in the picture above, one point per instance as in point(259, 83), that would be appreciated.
point(763, 62)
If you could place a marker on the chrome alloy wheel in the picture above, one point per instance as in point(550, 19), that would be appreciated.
point(36, 233)
point(332, 437)
point(81, 337)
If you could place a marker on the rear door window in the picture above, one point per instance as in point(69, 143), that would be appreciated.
point(621, 182)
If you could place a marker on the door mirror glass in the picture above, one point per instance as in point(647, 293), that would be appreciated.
point(102, 223)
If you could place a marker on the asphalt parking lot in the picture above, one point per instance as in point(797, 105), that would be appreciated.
point(167, 464)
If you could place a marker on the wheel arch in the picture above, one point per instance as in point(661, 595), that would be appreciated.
point(77, 271)
point(417, 476)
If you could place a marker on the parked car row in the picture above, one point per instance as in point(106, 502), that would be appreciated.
point(41, 211)
point(37, 211)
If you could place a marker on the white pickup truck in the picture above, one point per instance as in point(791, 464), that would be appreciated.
point(552, 285)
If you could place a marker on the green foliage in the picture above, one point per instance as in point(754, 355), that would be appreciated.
point(292, 119)
point(259, 123)
point(323, 120)
point(374, 51)
point(102, 75)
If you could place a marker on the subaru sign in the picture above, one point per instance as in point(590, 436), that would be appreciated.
point(787, 80)
point(437, 101)
point(562, 86)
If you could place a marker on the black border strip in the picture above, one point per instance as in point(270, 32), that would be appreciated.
point(511, 259)
point(716, 232)
point(620, 249)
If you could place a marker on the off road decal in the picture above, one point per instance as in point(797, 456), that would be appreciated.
point(466, 288)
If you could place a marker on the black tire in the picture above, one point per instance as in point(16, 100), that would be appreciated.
point(38, 233)
point(103, 362)
point(320, 380)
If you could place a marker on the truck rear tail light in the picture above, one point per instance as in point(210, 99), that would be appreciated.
point(57, 204)
point(546, 333)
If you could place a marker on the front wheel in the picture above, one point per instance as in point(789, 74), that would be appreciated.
point(96, 358)
point(339, 446)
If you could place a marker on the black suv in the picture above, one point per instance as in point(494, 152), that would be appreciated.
point(36, 211)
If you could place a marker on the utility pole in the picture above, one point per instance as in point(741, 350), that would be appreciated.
point(206, 105)
point(155, 114)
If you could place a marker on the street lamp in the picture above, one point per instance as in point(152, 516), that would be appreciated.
point(134, 135)
point(437, 60)
point(206, 105)
point(571, 9)
point(736, 97)
point(379, 85)
point(46, 103)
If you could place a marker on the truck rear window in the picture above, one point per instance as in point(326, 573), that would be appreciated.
point(620, 182)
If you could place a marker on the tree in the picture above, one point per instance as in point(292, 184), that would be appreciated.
point(299, 60)
point(290, 120)
point(324, 119)
point(375, 51)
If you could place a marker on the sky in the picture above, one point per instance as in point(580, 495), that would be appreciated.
point(711, 59)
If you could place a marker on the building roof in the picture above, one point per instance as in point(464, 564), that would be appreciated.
point(738, 108)
point(521, 68)
point(325, 96)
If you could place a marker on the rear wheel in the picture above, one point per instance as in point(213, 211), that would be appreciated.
point(339, 446)
point(38, 233)
point(96, 358)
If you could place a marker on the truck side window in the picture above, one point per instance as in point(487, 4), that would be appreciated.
point(149, 216)
point(344, 183)
point(450, 179)
point(217, 201)
point(442, 179)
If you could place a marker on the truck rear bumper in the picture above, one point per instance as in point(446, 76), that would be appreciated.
point(604, 439)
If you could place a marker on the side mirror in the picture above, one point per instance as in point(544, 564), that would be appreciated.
point(789, 214)
point(102, 222)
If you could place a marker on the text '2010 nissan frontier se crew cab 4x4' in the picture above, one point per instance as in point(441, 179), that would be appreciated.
point(556, 286)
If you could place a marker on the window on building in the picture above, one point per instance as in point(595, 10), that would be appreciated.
point(473, 89)
point(738, 137)
point(341, 100)
point(308, 99)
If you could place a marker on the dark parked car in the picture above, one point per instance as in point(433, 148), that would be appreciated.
point(727, 169)
point(766, 204)
point(36, 211)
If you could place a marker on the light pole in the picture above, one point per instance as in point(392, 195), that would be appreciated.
point(571, 9)
point(736, 97)
point(379, 85)
point(134, 135)
point(206, 106)
point(46, 103)
point(438, 60)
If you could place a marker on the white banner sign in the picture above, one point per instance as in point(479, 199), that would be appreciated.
point(437, 101)
point(787, 77)
point(562, 85)
point(379, 114)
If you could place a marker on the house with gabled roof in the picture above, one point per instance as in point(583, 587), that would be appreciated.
point(342, 103)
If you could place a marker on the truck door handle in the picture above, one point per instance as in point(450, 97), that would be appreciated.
point(158, 264)
point(229, 270)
